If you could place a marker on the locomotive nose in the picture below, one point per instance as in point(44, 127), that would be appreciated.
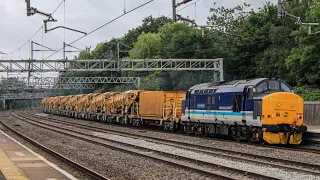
point(283, 117)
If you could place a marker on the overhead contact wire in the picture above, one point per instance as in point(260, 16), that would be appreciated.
point(102, 26)
point(36, 31)
point(113, 20)
point(185, 7)
point(58, 6)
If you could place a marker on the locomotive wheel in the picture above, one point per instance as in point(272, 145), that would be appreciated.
point(237, 139)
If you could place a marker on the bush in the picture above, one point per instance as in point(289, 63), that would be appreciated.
point(308, 93)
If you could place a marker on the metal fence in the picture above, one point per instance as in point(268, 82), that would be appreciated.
point(312, 113)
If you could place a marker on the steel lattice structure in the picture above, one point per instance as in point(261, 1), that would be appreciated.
point(20, 88)
point(73, 86)
point(96, 65)
point(24, 95)
point(147, 65)
point(215, 65)
point(68, 82)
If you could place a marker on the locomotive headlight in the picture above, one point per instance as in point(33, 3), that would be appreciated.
point(292, 105)
point(279, 105)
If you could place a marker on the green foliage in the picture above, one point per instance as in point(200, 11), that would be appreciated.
point(303, 62)
point(176, 41)
point(230, 18)
point(255, 44)
point(85, 55)
point(308, 93)
point(147, 44)
point(22, 104)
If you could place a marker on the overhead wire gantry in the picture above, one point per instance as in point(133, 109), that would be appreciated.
point(32, 11)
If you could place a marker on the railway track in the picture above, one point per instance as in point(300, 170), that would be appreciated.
point(228, 154)
point(313, 139)
point(203, 167)
point(90, 173)
point(292, 148)
point(199, 148)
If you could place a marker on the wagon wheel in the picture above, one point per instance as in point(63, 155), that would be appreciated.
point(174, 127)
point(263, 142)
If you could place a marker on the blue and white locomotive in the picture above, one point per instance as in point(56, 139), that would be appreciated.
point(231, 108)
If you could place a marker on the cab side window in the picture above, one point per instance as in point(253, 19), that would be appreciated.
point(262, 87)
point(285, 88)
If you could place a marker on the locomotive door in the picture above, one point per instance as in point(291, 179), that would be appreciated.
point(208, 106)
point(247, 95)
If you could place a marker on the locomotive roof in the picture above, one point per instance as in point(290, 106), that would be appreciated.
point(232, 86)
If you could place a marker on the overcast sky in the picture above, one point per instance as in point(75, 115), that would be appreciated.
point(85, 15)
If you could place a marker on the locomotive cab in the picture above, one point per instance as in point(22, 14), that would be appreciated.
point(280, 112)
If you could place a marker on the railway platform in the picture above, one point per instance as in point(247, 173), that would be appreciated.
point(314, 129)
point(313, 134)
point(17, 162)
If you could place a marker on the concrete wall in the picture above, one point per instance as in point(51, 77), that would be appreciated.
point(312, 113)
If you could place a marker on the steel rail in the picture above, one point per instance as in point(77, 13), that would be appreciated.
point(199, 147)
point(208, 150)
point(85, 170)
point(212, 165)
point(291, 148)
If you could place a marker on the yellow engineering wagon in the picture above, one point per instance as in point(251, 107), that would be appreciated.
point(117, 106)
point(55, 104)
point(72, 105)
point(145, 107)
point(83, 105)
point(43, 104)
point(97, 105)
point(63, 104)
point(161, 108)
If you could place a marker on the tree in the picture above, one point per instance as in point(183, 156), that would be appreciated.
point(230, 18)
point(303, 62)
point(255, 44)
point(146, 47)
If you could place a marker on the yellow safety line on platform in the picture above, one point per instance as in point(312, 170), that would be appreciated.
point(9, 169)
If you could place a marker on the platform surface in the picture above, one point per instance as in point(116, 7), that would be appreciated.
point(313, 129)
point(17, 162)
